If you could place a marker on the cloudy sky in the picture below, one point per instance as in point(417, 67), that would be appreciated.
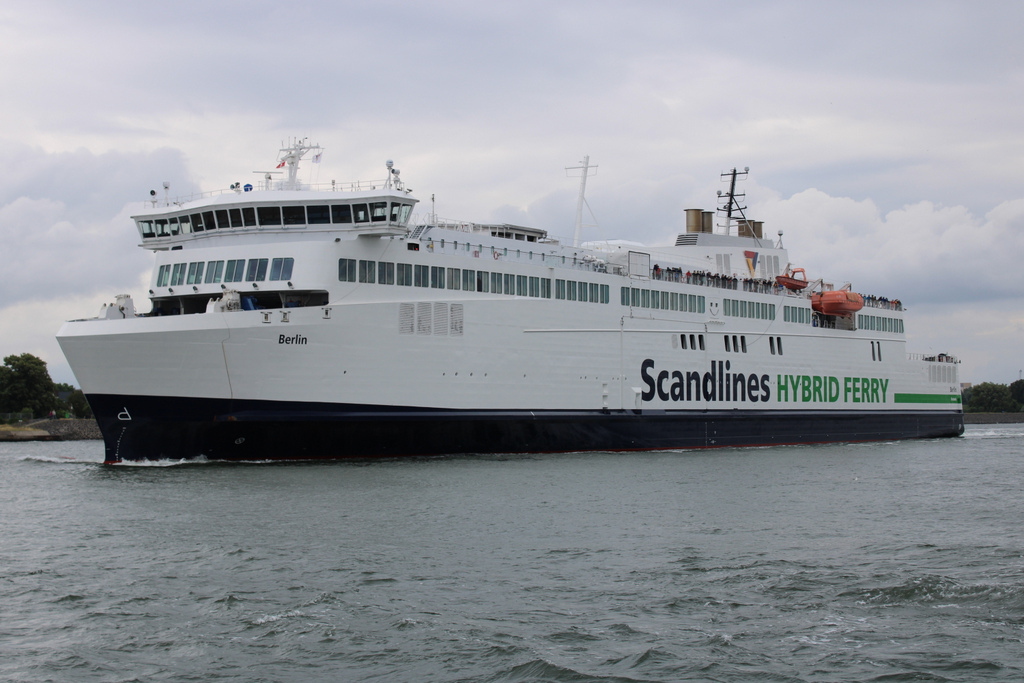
point(885, 138)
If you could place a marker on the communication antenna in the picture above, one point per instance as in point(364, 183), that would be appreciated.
point(584, 172)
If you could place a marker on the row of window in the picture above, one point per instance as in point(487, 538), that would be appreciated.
point(440, 277)
point(733, 343)
point(173, 275)
point(571, 290)
point(879, 323)
point(668, 301)
point(464, 279)
point(738, 343)
point(696, 342)
point(739, 308)
point(796, 314)
point(272, 216)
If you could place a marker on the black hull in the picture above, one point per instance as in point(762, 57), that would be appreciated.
point(160, 428)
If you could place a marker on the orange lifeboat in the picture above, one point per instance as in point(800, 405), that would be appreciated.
point(790, 281)
point(841, 302)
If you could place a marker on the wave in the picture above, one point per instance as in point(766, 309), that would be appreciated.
point(943, 592)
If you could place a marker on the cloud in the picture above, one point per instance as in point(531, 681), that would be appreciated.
point(65, 225)
point(927, 252)
point(887, 152)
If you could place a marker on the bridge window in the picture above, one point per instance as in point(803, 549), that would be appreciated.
point(400, 213)
point(341, 213)
point(294, 215)
point(318, 215)
point(361, 214)
point(269, 215)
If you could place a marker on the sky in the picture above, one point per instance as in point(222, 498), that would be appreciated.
point(884, 139)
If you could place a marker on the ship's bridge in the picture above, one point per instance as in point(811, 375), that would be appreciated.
point(380, 207)
point(365, 212)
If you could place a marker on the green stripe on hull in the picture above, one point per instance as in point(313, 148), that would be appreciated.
point(927, 398)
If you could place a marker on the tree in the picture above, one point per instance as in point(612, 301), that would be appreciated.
point(79, 406)
point(989, 397)
point(25, 385)
point(1017, 390)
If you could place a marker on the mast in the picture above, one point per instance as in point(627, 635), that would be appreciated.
point(731, 200)
point(290, 157)
point(585, 168)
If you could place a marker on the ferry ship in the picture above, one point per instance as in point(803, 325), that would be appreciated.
point(290, 321)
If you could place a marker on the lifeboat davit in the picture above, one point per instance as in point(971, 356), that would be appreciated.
point(837, 302)
point(790, 281)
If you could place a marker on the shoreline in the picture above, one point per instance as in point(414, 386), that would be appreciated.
point(68, 429)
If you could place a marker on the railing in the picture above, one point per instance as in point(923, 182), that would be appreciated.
point(266, 185)
point(881, 302)
point(519, 252)
point(753, 285)
point(720, 281)
point(933, 358)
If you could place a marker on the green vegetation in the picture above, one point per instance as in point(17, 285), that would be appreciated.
point(26, 387)
point(989, 397)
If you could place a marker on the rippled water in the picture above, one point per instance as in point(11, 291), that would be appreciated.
point(880, 562)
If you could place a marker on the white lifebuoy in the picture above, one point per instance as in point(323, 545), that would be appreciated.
point(495, 255)
point(476, 254)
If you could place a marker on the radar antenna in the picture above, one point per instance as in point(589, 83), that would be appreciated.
point(393, 181)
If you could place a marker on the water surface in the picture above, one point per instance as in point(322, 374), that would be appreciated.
point(868, 562)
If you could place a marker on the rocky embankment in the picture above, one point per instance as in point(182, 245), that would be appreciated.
point(993, 418)
point(53, 430)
